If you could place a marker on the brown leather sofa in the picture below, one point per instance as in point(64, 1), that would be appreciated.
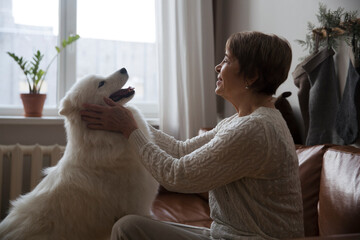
point(330, 180)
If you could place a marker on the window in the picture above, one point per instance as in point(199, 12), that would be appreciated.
point(23, 32)
point(114, 34)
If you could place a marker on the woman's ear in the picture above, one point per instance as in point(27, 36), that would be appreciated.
point(251, 80)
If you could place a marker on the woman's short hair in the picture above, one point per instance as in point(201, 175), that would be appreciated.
point(268, 56)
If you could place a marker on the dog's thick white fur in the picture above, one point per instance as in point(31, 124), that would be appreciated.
point(98, 180)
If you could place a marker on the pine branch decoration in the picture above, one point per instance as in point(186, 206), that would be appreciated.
point(335, 26)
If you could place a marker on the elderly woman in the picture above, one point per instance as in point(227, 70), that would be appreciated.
point(247, 162)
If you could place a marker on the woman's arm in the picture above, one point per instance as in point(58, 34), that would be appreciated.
point(117, 118)
point(177, 148)
point(230, 155)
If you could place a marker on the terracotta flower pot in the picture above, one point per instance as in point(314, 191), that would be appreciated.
point(33, 104)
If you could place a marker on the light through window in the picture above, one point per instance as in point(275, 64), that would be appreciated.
point(116, 34)
point(24, 29)
point(113, 34)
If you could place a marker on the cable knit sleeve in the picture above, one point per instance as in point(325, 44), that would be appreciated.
point(234, 152)
point(176, 148)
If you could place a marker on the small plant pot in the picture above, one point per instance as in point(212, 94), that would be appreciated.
point(33, 104)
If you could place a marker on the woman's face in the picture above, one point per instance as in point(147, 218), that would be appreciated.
point(230, 81)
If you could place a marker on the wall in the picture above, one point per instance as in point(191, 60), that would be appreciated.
point(44, 131)
point(287, 18)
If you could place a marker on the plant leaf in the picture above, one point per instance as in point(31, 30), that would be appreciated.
point(34, 74)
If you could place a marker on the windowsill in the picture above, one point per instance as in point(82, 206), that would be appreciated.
point(48, 120)
point(21, 120)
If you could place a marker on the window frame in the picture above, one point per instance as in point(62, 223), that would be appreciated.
point(66, 68)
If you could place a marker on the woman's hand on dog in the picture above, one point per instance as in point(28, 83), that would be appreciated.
point(112, 117)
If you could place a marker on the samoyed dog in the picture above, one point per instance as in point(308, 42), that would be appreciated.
point(98, 180)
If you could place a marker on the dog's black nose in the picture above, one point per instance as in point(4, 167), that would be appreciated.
point(123, 71)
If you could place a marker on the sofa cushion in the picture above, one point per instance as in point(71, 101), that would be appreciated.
point(191, 209)
point(310, 163)
point(339, 200)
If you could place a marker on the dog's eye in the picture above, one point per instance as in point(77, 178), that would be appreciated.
point(101, 84)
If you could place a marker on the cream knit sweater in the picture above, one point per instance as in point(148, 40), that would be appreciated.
point(249, 166)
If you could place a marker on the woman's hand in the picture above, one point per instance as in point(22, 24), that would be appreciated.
point(113, 117)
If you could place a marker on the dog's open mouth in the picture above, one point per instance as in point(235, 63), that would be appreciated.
point(122, 93)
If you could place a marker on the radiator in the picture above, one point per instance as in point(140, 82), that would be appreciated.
point(21, 169)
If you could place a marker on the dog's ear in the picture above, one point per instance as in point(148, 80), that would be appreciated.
point(65, 107)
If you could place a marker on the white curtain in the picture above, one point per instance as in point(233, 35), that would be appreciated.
point(185, 38)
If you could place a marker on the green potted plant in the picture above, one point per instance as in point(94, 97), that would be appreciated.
point(34, 101)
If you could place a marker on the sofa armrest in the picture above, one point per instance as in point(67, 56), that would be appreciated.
point(352, 236)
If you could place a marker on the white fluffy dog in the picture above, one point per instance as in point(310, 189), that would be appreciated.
point(98, 180)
